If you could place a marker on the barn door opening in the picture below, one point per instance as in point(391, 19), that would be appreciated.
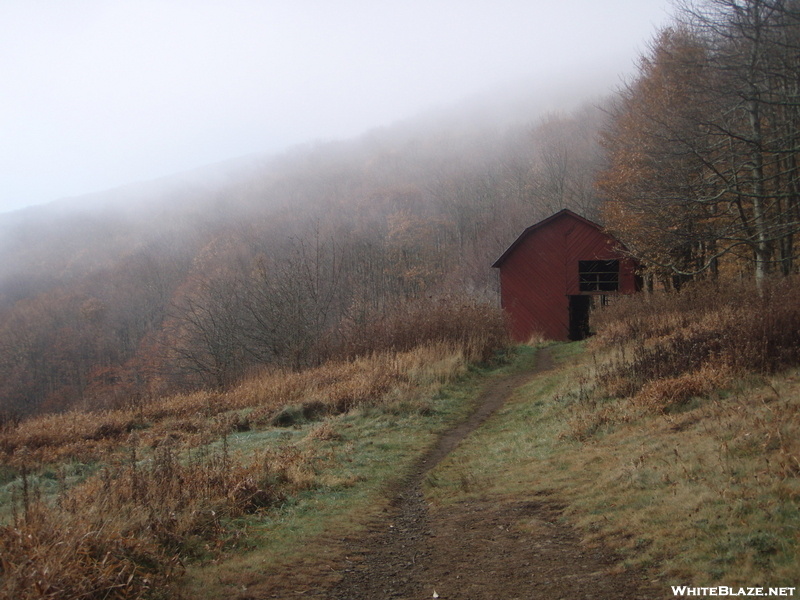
point(579, 317)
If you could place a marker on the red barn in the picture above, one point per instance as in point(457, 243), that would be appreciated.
point(551, 275)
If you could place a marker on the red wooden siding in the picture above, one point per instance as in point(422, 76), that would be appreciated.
point(539, 272)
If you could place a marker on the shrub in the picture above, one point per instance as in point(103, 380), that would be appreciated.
point(479, 328)
point(732, 327)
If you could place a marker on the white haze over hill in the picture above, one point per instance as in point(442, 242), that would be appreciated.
point(97, 94)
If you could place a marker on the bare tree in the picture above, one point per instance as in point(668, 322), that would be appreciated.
point(292, 302)
point(206, 325)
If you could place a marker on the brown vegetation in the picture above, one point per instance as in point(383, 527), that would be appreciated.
point(675, 346)
point(166, 488)
point(692, 406)
point(424, 331)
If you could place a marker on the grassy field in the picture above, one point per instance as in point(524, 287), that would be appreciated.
point(351, 460)
point(669, 437)
point(197, 500)
point(707, 493)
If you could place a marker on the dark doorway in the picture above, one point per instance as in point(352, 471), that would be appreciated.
point(579, 317)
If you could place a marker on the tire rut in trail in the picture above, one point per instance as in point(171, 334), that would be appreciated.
point(473, 550)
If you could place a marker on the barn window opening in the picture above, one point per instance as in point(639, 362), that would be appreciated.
point(598, 275)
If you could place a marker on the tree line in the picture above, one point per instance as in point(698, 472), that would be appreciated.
point(702, 174)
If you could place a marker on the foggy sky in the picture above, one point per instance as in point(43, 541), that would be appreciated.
point(99, 93)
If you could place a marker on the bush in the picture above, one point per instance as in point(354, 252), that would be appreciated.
point(720, 327)
point(479, 328)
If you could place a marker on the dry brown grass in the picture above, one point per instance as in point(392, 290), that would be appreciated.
point(670, 392)
point(125, 532)
point(50, 556)
point(691, 403)
point(167, 489)
point(196, 418)
point(712, 330)
point(708, 493)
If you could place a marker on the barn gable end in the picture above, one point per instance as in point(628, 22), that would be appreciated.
point(548, 275)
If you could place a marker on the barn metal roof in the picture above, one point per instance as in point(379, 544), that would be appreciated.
point(524, 234)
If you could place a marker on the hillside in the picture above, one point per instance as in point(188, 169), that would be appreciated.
point(622, 462)
point(197, 279)
point(290, 375)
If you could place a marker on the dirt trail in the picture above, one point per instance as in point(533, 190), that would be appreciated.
point(473, 550)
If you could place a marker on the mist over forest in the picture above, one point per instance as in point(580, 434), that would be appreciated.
point(196, 279)
point(336, 249)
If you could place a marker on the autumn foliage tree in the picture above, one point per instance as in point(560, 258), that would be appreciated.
point(702, 145)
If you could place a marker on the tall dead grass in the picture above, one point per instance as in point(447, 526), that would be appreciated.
point(418, 344)
point(126, 532)
point(666, 342)
point(161, 495)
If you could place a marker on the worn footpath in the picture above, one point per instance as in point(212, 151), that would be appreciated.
point(475, 550)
